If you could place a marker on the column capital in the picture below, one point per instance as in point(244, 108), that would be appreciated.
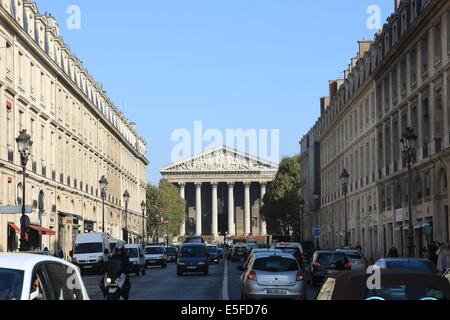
point(198, 184)
point(230, 184)
point(182, 184)
point(214, 184)
point(263, 183)
point(247, 184)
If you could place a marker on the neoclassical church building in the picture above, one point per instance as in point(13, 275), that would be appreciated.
point(223, 189)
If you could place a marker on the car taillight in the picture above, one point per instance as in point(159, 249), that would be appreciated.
point(348, 265)
point(252, 275)
point(299, 276)
point(316, 265)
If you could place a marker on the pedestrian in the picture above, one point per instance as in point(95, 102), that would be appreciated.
point(443, 254)
point(46, 250)
point(432, 249)
point(393, 253)
point(60, 254)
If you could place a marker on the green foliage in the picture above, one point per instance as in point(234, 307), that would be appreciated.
point(164, 203)
point(281, 202)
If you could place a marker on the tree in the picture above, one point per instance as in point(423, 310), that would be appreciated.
point(281, 202)
point(164, 205)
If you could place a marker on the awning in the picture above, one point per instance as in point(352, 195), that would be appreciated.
point(43, 231)
point(12, 225)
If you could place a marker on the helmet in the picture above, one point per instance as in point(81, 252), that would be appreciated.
point(118, 249)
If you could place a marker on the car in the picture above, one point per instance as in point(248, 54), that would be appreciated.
point(91, 252)
point(294, 251)
point(136, 255)
point(172, 254)
point(355, 258)
point(419, 265)
point(447, 275)
point(25, 276)
point(193, 257)
point(155, 255)
point(221, 253)
point(396, 284)
point(326, 263)
point(213, 252)
point(272, 276)
point(289, 245)
point(194, 239)
point(42, 253)
point(239, 253)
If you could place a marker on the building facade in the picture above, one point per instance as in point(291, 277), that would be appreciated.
point(78, 134)
point(398, 80)
point(223, 189)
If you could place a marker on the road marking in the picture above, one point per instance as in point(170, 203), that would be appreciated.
point(225, 295)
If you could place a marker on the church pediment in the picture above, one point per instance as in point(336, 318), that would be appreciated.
point(221, 159)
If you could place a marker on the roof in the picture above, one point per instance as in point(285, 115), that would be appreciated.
point(260, 255)
point(23, 261)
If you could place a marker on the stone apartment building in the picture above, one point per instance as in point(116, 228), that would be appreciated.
point(399, 79)
point(78, 134)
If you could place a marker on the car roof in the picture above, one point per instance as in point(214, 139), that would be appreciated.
point(154, 245)
point(24, 261)
point(357, 280)
point(273, 254)
point(133, 246)
point(190, 244)
point(328, 251)
point(403, 259)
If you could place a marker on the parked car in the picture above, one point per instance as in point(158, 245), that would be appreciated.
point(239, 253)
point(91, 252)
point(281, 245)
point(155, 255)
point(172, 254)
point(137, 259)
point(272, 276)
point(213, 252)
point(42, 253)
point(294, 250)
point(193, 257)
point(396, 284)
point(39, 277)
point(418, 265)
point(326, 263)
point(356, 259)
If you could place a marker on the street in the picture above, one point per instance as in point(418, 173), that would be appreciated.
point(163, 284)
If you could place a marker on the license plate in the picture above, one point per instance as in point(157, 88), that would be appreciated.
point(192, 268)
point(276, 291)
point(112, 290)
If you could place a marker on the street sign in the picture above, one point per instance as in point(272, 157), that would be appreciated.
point(317, 231)
point(15, 209)
point(428, 230)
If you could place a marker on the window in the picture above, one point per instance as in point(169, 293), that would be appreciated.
point(62, 282)
point(394, 85)
point(413, 67)
point(427, 184)
point(403, 75)
point(437, 43)
point(386, 92)
point(424, 55)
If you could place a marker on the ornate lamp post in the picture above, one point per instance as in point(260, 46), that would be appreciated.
point(408, 141)
point(24, 145)
point(167, 224)
point(103, 189)
point(126, 200)
point(302, 220)
point(143, 207)
point(345, 176)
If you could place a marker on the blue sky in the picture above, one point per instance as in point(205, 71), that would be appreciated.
point(250, 64)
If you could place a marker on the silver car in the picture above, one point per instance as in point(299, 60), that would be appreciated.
point(356, 259)
point(272, 276)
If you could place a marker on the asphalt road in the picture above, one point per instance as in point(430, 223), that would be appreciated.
point(163, 284)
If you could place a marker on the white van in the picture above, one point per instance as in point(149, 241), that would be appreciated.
point(91, 252)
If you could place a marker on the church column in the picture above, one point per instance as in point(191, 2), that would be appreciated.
point(183, 196)
point(198, 208)
point(215, 214)
point(231, 227)
point(263, 221)
point(247, 225)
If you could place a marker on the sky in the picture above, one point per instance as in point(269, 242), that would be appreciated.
point(232, 64)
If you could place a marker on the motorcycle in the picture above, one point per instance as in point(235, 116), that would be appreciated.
point(113, 284)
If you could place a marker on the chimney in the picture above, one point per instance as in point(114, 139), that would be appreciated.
point(332, 88)
point(324, 104)
point(364, 46)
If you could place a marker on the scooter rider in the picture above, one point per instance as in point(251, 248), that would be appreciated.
point(120, 255)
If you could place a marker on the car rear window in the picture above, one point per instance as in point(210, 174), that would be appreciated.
point(331, 258)
point(422, 266)
point(153, 250)
point(275, 264)
point(294, 251)
point(405, 292)
point(11, 282)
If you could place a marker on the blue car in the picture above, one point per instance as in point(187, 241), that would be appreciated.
point(193, 257)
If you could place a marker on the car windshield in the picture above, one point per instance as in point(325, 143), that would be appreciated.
point(11, 282)
point(171, 251)
point(405, 292)
point(275, 264)
point(190, 252)
point(422, 266)
point(212, 249)
point(154, 250)
point(81, 248)
point(329, 259)
point(132, 252)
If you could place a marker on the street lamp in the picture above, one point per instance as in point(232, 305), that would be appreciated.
point(408, 141)
point(302, 213)
point(157, 222)
point(167, 222)
point(126, 200)
point(143, 207)
point(345, 176)
point(103, 189)
point(24, 145)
